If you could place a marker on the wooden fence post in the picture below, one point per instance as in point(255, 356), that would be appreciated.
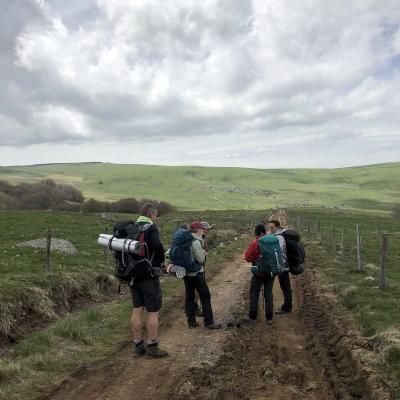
point(48, 252)
point(359, 256)
point(383, 259)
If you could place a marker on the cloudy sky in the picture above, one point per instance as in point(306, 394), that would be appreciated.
point(255, 83)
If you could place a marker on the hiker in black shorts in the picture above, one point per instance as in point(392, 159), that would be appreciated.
point(146, 292)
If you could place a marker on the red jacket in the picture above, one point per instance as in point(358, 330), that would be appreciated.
point(252, 253)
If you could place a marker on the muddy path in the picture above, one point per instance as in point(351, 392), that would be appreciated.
point(303, 355)
point(128, 377)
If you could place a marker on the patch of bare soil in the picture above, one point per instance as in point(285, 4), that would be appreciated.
point(306, 355)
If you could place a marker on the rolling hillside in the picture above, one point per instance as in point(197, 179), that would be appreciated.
point(191, 187)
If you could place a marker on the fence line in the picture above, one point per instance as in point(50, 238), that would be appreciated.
point(328, 240)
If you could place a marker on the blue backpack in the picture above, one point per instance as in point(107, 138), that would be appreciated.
point(271, 261)
point(179, 252)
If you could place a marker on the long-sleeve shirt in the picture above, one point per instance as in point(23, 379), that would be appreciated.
point(198, 253)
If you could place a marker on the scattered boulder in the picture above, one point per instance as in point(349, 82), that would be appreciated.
point(107, 215)
point(56, 244)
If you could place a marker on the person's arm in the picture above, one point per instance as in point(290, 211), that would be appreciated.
point(157, 246)
point(198, 252)
point(252, 253)
point(282, 245)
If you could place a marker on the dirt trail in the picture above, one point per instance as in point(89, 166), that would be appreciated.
point(304, 355)
point(129, 377)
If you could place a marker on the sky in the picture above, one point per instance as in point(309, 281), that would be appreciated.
point(248, 83)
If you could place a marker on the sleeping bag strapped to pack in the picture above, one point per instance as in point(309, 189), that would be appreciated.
point(132, 266)
point(179, 252)
point(271, 261)
point(295, 251)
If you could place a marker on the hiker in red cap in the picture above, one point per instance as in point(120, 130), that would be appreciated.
point(195, 281)
point(206, 227)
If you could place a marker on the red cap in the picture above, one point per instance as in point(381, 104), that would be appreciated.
point(196, 225)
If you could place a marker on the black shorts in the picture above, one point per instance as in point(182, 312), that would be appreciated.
point(147, 294)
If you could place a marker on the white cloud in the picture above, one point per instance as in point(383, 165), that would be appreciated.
point(204, 71)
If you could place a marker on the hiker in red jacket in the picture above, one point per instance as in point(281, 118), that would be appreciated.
point(258, 280)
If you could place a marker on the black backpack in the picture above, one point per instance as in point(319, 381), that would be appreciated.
point(132, 266)
point(295, 251)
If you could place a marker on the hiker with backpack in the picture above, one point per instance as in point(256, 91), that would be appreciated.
point(206, 228)
point(267, 262)
point(294, 254)
point(143, 271)
point(187, 250)
point(284, 279)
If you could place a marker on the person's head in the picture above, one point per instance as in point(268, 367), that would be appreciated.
point(197, 228)
point(274, 225)
point(206, 227)
point(260, 230)
point(149, 210)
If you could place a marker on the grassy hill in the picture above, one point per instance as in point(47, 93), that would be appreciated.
point(191, 187)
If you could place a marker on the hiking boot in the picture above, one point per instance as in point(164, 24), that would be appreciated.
point(139, 349)
point(213, 326)
point(153, 351)
point(269, 321)
point(192, 325)
point(281, 312)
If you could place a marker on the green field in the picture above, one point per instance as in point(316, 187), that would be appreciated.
point(202, 188)
point(375, 311)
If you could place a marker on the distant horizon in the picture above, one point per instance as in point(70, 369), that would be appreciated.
point(191, 165)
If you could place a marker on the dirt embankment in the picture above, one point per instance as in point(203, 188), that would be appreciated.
point(304, 355)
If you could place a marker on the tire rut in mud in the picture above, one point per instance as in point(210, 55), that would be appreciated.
point(334, 348)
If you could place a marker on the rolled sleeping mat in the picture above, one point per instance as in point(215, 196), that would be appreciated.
point(176, 271)
point(126, 245)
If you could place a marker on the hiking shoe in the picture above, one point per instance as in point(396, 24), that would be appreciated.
point(193, 325)
point(153, 351)
point(269, 321)
point(213, 326)
point(139, 349)
point(281, 312)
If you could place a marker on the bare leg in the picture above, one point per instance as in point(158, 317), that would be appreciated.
point(152, 326)
point(136, 322)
